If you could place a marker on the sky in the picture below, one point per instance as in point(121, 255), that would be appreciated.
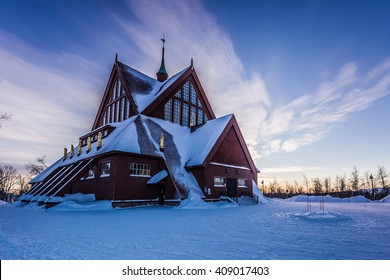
point(308, 81)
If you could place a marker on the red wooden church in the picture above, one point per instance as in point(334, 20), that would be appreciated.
point(152, 141)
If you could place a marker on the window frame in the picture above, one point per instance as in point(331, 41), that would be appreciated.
point(109, 169)
point(88, 175)
point(242, 186)
point(219, 185)
point(139, 167)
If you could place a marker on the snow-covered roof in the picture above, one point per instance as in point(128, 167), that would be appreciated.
point(141, 135)
point(204, 138)
point(145, 89)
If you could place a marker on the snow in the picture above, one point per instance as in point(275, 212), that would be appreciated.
point(150, 88)
point(204, 138)
point(277, 230)
point(328, 198)
point(386, 199)
point(158, 177)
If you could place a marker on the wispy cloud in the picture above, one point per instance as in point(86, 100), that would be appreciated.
point(49, 104)
point(311, 117)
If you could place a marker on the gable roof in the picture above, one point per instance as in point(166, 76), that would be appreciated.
point(144, 89)
point(146, 93)
point(204, 138)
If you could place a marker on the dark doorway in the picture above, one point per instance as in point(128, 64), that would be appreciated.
point(231, 185)
point(161, 194)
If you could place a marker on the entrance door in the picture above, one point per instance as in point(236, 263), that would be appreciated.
point(231, 185)
point(161, 194)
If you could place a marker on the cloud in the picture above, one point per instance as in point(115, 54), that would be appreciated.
point(50, 105)
point(310, 118)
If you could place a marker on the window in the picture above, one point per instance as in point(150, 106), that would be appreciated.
point(105, 169)
point(185, 107)
point(127, 108)
point(105, 118)
point(168, 111)
point(117, 112)
point(122, 117)
point(200, 117)
point(140, 169)
point(176, 111)
point(91, 173)
point(108, 114)
point(193, 95)
point(184, 119)
point(241, 183)
point(186, 90)
point(219, 182)
point(193, 116)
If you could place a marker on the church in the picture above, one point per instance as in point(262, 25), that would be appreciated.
point(153, 141)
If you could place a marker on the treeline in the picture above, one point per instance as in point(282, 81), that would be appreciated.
point(14, 183)
point(371, 185)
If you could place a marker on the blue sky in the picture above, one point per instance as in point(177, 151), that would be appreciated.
point(308, 81)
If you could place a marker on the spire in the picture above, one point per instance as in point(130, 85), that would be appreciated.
point(162, 74)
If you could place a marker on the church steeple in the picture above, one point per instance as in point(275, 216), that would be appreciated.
point(162, 74)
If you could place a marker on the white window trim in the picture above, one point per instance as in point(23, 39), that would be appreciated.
point(145, 176)
point(241, 186)
point(220, 186)
point(105, 175)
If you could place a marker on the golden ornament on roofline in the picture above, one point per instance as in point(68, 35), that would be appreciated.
point(79, 151)
point(88, 144)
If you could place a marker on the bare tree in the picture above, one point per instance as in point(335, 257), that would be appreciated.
point(366, 180)
point(298, 187)
point(354, 179)
point(337, 183)
point(37, 167)
point(23, 183)
point(382, 176)
point(343, 183)
point(327, 184)
point(317, 185)
point(307, 184)
point(4, 117)
point(8, 180)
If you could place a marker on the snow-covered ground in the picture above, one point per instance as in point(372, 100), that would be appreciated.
point(280, 229)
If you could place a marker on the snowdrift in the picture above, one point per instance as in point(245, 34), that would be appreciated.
point(328, 198)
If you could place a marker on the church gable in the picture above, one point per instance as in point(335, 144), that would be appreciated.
point(117, 104)
point(231, 149)
point(183, 102)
